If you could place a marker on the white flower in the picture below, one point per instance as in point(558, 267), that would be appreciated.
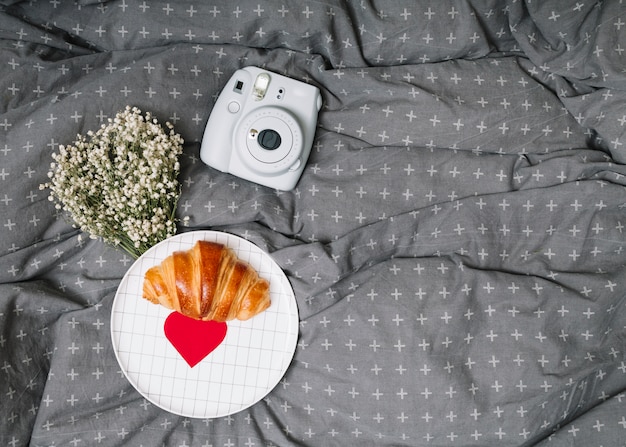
point(120, 182)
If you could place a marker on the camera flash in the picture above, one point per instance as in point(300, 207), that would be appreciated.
point(260, 86)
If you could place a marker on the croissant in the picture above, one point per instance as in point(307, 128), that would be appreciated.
point(207, 282)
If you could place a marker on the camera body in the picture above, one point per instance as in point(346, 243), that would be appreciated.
point(261, 128)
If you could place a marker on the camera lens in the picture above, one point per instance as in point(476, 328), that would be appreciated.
point(269, 139)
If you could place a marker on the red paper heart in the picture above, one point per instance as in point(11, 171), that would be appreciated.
point(193, 339)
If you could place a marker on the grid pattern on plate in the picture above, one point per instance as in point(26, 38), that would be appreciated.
point(242, 370)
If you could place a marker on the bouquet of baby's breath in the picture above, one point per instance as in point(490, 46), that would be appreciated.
point(120, 183)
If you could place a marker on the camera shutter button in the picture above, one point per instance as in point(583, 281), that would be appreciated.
point(233, 107)
point(296, 165)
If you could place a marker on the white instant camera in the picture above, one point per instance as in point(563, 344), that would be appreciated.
point(262, 127)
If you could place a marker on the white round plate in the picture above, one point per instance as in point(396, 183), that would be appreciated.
point(242, 370)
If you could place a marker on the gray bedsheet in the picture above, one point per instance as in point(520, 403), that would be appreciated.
point(457, 243)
